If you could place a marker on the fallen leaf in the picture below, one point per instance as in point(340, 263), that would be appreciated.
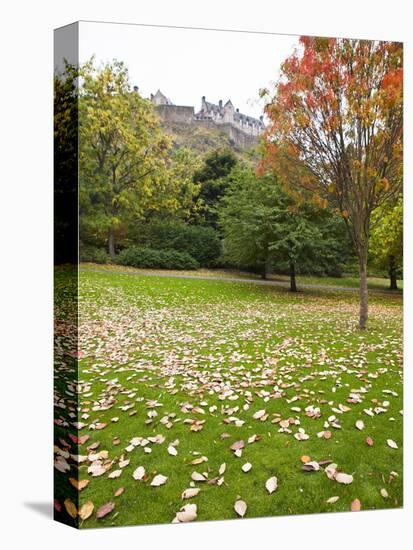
point(332, 500)
point(70, 508)
point(305, 458)
point(356, 505)
point(172, 451)
point(187, 513)
point(240, 507)
point(86, 510)
point(341, 477)
point(392, 444)
point(369, 441)
point(384, 493)
point(139, 473)
point(115, 474)
point(246, 467)
point(360, 425)
point(105, 510)
point(190, 493)
point(271, 484)
point(196, 476)
point(79, 484)
point(237, 445)
point(311, 466)
point(159, 480)
point(119, 491)
point(222, 469)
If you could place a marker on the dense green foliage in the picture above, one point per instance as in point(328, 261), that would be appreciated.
point(213, 180)
point(151, 258)
point(90, 253)
point(386, 241)
point(201, 242)
point(265, 229)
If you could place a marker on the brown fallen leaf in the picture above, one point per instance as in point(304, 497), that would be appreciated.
point(305, 458)
point(105, 510)
point(70, 508)
point(119, 491)
point(356, 505)
point(79, 484)
point(86, 510)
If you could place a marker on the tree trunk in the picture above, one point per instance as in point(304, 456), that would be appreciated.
point(111, 243)
point(264, 271)
point(293, 283)
point(364, 297)
point(392, 273)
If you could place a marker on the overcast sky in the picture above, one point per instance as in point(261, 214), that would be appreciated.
point(187, 64)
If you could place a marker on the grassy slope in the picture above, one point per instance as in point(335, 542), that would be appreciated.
point(173, 340)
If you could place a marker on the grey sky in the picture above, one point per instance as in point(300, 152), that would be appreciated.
point(187, 64)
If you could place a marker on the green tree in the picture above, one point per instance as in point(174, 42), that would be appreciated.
point(264, 227)
point(123, 152)
point(386, 244)
point(212, 179)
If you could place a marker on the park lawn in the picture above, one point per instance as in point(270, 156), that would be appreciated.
point(162, 355)
point(374, 283)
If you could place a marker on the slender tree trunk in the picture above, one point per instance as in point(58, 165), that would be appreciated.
point(364, 296)
point(392, 273)
point(111, 243)
point(293, 282)
point(264, 271)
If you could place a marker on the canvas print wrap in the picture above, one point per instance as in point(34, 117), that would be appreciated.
point(228, 275)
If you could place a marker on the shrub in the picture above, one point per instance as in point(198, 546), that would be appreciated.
point(201, 242)
point(157, 259)
point(93, 254)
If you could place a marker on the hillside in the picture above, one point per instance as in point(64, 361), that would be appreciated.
point(203, 139)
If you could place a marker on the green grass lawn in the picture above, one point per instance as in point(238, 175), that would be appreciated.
point(193, 361)
point(374, 283)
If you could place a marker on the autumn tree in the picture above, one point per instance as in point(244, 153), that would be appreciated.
point(335, 131)
point(123, 152)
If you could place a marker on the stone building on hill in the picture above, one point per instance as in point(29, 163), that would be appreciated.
point(242, 129)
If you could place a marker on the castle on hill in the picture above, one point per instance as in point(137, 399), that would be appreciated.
point(242, 129)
